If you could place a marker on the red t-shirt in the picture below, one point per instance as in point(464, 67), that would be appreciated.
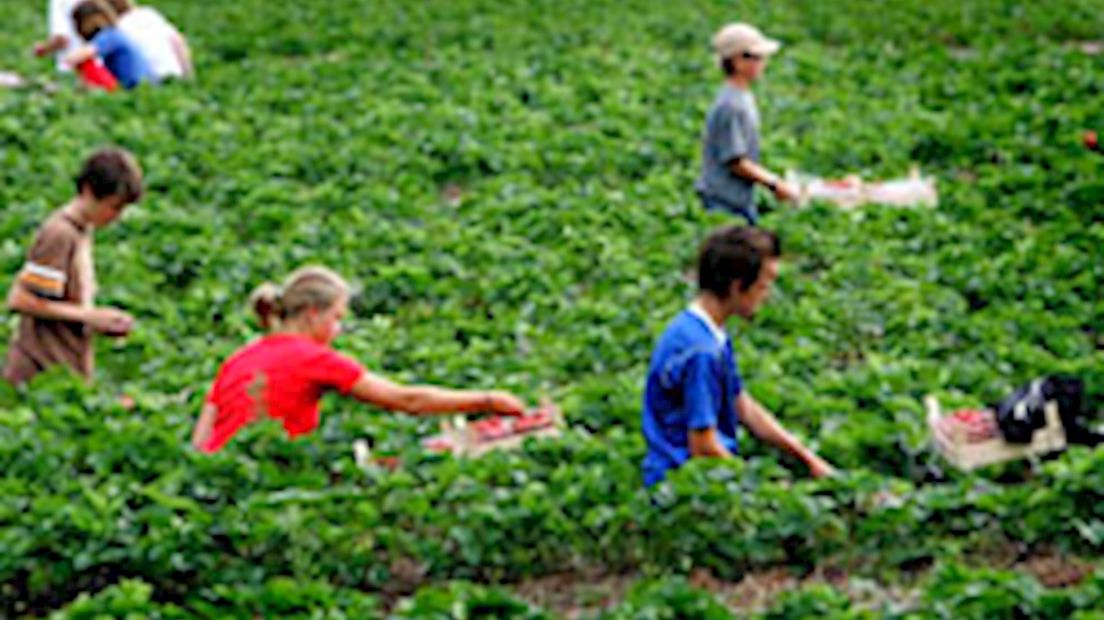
point(288, 373)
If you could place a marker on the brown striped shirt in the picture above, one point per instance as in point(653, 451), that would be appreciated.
point(59, 267)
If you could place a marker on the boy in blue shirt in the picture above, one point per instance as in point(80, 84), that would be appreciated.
point(95, 22)
point(695, 399)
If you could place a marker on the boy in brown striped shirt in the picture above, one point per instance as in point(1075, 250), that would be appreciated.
point(54, 291)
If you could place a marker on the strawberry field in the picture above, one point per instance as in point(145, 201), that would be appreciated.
point(509, 187)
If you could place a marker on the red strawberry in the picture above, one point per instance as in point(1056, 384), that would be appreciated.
point(438, 444)
point(1091, 141)
point(539, 419)
point(491, 428)
point(389, 462)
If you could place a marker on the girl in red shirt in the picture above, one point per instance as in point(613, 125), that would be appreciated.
point(284, 374)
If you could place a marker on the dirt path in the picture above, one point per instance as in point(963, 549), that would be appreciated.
point(577, 595)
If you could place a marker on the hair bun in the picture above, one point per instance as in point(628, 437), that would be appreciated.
point(268, 303)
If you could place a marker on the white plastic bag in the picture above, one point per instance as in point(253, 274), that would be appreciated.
point(11, 80)
point(852, 191)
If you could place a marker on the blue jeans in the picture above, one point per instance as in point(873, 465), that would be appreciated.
point(749, 213)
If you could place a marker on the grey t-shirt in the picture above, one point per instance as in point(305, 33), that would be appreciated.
point(731, 132)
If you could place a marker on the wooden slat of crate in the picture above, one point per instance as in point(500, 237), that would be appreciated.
point(513, 442)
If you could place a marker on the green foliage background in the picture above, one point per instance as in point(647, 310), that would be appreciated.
point(509, 185)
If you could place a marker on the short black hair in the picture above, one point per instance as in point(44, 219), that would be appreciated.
point(728, 65)
point(735, 254)
point(111, 172)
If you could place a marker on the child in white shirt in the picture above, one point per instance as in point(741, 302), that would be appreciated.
point(160, 42)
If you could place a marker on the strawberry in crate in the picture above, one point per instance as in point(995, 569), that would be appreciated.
point(491, 428)
point(544, 417)
point(977, 424)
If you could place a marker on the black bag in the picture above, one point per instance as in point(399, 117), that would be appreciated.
point(1022, 413)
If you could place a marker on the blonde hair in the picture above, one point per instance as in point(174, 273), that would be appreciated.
point(311, 287)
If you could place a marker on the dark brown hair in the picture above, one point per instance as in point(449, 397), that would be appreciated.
point(121, 6)
point(728, 65)
point(91, 16)
point(735, 254)
point(111, 172)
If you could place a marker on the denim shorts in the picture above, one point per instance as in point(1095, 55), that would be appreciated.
point(751, 214)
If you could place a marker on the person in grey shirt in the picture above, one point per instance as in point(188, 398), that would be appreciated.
point(730, 153)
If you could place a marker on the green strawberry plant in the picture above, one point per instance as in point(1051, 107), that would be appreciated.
point(509, 188)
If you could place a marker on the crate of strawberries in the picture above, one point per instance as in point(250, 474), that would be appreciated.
point(971, 438)
point(461, 437)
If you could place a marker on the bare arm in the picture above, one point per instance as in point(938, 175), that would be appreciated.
point(183, 54)
point(705, 443)
point(105, 320)
point(202, 432)
point(756, 173)
point(80, 55)
point(764, 426)
point(425, 399)
point(52, 45)
point(24, 302)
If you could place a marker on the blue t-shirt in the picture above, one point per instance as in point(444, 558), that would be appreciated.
point(693, 382)
point(121, 57)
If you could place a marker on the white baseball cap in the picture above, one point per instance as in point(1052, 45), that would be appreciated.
point(740, 38)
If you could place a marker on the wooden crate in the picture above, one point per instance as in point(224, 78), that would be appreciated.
point(967, 456)
point(465, 442)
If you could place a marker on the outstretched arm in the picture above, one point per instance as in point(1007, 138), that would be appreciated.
point(53, 45)
point(425, 399)
point(764, 426)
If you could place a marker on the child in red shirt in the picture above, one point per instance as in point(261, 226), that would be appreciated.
point(284, 374)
